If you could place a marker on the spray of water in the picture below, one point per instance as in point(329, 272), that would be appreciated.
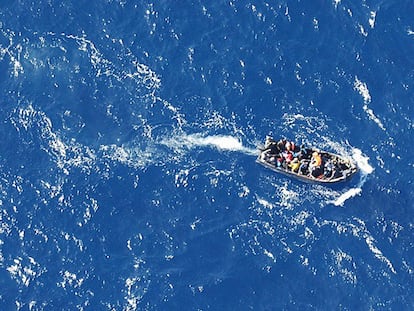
point(362, 162)
point(365, 168)
point(220, 142)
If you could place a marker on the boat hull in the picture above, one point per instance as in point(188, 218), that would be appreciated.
point(344, 170)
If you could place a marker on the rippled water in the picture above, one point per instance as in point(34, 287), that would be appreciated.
point(127, 167)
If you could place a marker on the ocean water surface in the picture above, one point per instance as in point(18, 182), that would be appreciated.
point(127, 163)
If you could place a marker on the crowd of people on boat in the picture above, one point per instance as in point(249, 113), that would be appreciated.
point(289, 156)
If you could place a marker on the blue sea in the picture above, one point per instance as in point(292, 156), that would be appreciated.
point(130, 131)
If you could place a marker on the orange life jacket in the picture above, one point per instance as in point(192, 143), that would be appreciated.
point(316, 160)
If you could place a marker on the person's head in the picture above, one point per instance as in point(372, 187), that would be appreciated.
point(268, 141)
point(315, 154)
point(288, 146)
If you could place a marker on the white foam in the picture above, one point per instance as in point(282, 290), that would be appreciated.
point(220, 142)
point(362, 31)
point(70, 279)
point(377, 252)
point(362, 89)
point(264, 203)
point(358, 229)
point(347, 195)
point(131, 156)
point(270, 255)
point(373, 117)
point(24, 272)
point(362, 161)
point(344, 265)
point(371, 20)
point(365, 168)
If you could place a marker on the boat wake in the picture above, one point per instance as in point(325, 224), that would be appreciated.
point(219, 142)
point(365, 168)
